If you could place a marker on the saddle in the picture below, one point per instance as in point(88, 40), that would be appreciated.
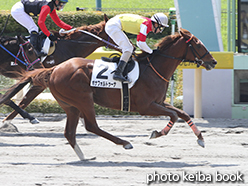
point(129, 67)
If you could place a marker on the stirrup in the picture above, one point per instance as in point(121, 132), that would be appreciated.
point(121, 78)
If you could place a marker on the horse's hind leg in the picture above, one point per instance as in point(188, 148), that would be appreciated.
point(87, 109)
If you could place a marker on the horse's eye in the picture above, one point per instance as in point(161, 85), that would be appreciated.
point(30, 48)
point(30, 52)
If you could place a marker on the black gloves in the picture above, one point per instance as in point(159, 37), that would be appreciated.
point(53, 38)
point(155, 52)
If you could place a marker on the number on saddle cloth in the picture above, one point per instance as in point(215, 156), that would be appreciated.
point(129, 67)
point(102, 76)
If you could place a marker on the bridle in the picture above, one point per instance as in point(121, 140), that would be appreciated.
point(198, 60)
point(26, 61)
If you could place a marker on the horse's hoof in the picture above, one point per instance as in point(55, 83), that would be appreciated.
point(154, 134)
point(201, 143)
point(34, 121)
point(128, 146)
point(89, 159)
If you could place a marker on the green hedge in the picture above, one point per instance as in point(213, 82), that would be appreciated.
point(49, 106)
point(74, 18)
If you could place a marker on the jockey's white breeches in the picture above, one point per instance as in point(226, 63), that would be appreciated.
point(23, 18)
point(114, 30)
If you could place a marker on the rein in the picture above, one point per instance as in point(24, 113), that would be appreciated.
point(27, 63)
point(197, 61)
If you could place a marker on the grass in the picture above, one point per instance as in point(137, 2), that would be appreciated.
point(72, 4)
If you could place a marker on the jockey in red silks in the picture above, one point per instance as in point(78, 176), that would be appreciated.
point(137, 25)
point(23, 10)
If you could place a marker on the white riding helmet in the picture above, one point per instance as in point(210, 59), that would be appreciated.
point(161, 19)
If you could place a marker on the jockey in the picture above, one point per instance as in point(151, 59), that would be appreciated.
point(23, 10)
point(137, 25)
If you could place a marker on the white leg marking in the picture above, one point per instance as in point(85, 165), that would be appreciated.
point(79, 152)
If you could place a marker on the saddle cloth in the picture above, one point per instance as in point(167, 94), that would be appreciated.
point(102, 75)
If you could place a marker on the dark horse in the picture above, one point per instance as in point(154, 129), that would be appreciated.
point(69, 83)
point(74, 44)
point(17, 54)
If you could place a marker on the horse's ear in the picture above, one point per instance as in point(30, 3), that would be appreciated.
point(181, 30)
point(106, 18)
point(185, 33)
point(20, 39)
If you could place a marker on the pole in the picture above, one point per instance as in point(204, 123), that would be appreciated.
point(198, 94)
point(98, 5)
point(172, 89)
point(234, 25)
point(228, 25)
point(172, 15)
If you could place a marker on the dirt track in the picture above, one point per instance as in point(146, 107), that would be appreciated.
point(40, 155)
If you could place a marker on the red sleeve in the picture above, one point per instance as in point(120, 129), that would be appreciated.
point(58, 21)
point(42, 18)
point(145, 28)
point(141, 37)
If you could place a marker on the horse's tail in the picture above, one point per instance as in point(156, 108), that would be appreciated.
point(41, 77)
point(14, 89)
point(38, 77)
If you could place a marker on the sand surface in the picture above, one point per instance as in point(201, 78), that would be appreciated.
point(39, 155)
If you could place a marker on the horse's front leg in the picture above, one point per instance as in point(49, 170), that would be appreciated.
point(156, 109)
point(31, 94)
point(166, 109)
point(183, 115)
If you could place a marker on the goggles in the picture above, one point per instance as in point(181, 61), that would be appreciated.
point(161, 28)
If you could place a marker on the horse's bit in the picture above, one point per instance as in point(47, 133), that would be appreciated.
point(27, 63)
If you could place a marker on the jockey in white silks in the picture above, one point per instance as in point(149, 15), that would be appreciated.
point(137, 25)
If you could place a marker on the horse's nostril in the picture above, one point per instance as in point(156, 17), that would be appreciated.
point(214, 62)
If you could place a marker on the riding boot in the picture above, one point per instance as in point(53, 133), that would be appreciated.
point(119, 70)
point(34, 42)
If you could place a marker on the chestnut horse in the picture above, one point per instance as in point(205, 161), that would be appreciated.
point(69, 83)
point(74, 44)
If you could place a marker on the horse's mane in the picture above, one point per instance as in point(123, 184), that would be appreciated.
point(5, 39)
point(164, 43)
point(167, 41)
point(94, 29)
